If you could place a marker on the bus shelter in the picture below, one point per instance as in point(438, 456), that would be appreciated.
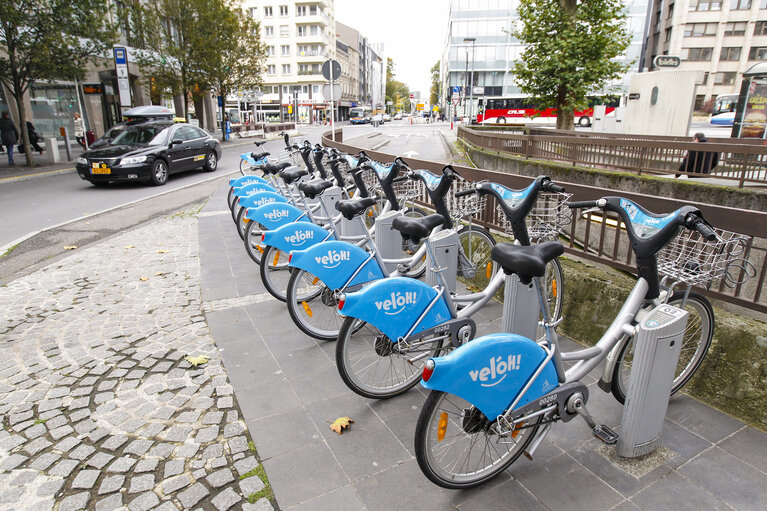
point(751, 109)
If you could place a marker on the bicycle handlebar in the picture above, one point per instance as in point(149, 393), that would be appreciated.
point(583, 204)
point(550, 186)
point(464, 193)
point(399, 179)
point(693, 221)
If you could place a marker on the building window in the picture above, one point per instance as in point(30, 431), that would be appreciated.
point(735, 28)
point(698, 54)
point(705, 79)
point(269, 31)
point(283, 10)
point(284, 31)
point(700, 29)
point(314, 30)
point(740, 5)
point(270, 69)
point(286, 69)
point(284, 89)
point(285, 50)
point(705, 5)
point(730, 53)
point(315, 89)
point(267, 12)
point(725, 78)
point(757, 53)
point(253, 12)
point(302, 31)
point(668, 34)
point(300, 10)
point(670, 10)
point(305, 89)
point(657, 22)
point(760, 28)
point(270, 51)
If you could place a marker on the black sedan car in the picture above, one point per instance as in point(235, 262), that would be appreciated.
point(150, 151)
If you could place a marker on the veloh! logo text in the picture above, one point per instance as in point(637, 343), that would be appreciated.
point(497, 368)
point(277, 214)
point(333, 258)
point(299, 238)
point(396, 302)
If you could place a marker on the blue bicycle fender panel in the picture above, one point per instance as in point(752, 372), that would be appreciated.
point(432, 180)
point(261, 198)
point(248, 190)
point(295, 236)
point(249, 158)
point(394, 305)
point(241, 181)
point(512, 198)
point(644, 225)
point(275, 214)
point(334, 263)
point(490, 371)
point(381, 170)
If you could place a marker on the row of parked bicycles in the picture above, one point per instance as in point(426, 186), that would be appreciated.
point(389, 262)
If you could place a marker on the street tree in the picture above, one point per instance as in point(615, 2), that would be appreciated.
point(397, 92)
point(571, 50)
point(436, 88)
point(46, 40)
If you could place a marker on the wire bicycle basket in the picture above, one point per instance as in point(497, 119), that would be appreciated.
point(467, 206)
point(693, 260)
point(548, 218)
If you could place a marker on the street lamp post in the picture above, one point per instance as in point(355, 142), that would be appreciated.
point(472, 40)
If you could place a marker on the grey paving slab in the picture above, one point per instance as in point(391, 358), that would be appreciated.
point(343, 498)
point(684, 494)
point(377, 492)
point(284, 432)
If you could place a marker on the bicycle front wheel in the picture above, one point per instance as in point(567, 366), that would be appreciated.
point(554, 282)
point(458, 447)
point(475, 266)
point(245, 167)
point(697, 340)
point(275, 272)
point(313, 306)
point(253, 245)
point(375, 367)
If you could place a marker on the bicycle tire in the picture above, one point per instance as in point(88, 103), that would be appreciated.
point(474, 248)
point(242, 223)
point(245, 167)
point(312, 306)
point(434, 455)
point(554, 282)
point(253, 245)
point(359, 348)
point(697, 340)
point(230, 198)
point(275, 272)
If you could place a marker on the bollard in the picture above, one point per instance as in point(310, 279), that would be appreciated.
point(52, 148)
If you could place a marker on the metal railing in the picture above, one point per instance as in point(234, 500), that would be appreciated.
point(604, 240)
point(742, 162)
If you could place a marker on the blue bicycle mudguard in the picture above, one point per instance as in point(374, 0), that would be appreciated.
point(295, 236)
point(275, 214)
point(249, 158)
point(394, 305)
point(241, 181)
point(334, 263)
point(490, 372)
point(260, 198)
point(247, 190)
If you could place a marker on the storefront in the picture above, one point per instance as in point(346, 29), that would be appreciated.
point(53, 107)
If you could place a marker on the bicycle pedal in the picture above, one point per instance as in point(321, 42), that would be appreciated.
point(605, 434)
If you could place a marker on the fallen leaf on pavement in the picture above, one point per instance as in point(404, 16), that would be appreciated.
point(70, 247)
point(143, 279)
point(163, 251)
point(198, 360)
point(130, 246)
point(340, 424)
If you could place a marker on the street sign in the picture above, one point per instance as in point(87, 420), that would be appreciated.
point(123, 82)
point(478, 89)
point(389, 102)
point(456, 100)
point(331, 65)
point(336, 91)
point(666, 61)
point(456, 89)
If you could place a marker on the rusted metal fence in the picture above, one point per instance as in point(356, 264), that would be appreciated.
point(604, 240)
point(742, 162)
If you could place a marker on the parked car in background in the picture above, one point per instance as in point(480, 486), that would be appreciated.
point(150, 151)
point(398, 116)
point(387, 118)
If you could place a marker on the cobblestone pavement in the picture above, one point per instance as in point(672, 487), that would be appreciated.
point(99, 407)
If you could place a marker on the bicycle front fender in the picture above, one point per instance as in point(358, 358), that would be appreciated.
point(295, 236)
point(248, 158)
point(394, 305)
point(252, 188)
point(239, 182)
point(275, 214)
point(491, 371)
point(335, 262)
point(261, 198)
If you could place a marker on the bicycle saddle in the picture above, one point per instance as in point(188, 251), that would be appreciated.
point(258, 156)
point(416, 228)
point(353, 207)
point(274, 168)
point(289, 176)
point(314, 187)
point(526, 261)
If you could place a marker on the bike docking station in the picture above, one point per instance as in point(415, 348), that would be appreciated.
point(657, 346)
point(444, 246)
point(521, 308)
point(387, 239)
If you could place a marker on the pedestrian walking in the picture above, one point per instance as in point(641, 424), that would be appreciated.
point(9, 135)
point(699, 162)
point(34, 138)
point(79, 130)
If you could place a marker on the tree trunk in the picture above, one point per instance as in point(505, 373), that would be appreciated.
point(23, 133)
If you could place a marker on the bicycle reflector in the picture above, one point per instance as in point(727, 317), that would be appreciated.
point(341, 301)
point(428, 368)
point(290, 256)
point(263, 237)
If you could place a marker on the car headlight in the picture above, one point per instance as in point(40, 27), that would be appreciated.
point(133, 160)
point(82, 161)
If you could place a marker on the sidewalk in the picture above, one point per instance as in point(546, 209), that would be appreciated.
point(289, 389)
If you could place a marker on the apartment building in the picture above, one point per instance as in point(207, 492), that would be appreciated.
point(371, 67)
point(723, 38)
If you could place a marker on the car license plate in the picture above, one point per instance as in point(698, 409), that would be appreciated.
point(100, 169)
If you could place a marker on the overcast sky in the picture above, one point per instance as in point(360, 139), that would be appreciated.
point(413, 33)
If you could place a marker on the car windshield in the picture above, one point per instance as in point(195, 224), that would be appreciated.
point(142, 135)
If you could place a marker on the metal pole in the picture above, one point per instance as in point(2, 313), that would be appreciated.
point(80, 109)
point(471, 78)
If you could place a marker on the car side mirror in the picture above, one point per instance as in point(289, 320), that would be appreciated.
point(175, 141)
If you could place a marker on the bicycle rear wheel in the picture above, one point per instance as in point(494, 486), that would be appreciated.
point(554, 282)
point(275, 272)
point(697, 340)
point(458, 447)
point(475, 266)
point(313, 306)
point(375, 367)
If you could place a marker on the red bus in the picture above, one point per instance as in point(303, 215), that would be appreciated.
point(502, 110)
